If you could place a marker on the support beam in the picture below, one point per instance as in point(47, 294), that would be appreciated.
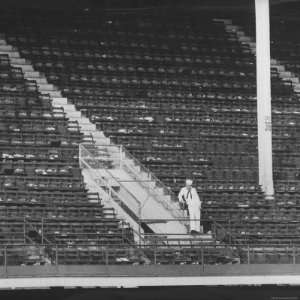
point(263, 77)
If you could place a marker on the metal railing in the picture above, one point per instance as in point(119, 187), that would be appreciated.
point(151, 175)
point(201, 253)
point(173, 208)
point(153, 248)
point(109, 194)
point(121, 157)
point(116, 156)
point(92, 157)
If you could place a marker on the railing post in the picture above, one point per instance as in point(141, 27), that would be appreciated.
point(24, 229)
point(202, 257)
point(110, 192)
point(140, 224)
point(230, 240)
point(214, 229)
point(79, 156)
point(248, 254)
point(106, 256)
point(294, 255)
point(121, 156)
point(42, 230)
point(122, 231)
point(155, 256)
point(5, 261)
point(56, 255)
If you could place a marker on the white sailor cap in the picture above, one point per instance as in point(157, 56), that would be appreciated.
point(189, 182)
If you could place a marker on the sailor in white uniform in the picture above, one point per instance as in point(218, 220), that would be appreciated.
point(189, 195)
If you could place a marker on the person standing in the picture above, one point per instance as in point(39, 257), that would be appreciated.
point(188, 195)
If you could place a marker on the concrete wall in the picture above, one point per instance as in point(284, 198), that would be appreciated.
point(227, 270)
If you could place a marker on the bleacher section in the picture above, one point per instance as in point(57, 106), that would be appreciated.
point(43, 200)
point(179, 93)
point(283, 49)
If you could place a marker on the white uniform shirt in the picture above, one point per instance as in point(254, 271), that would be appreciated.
point(191, 197)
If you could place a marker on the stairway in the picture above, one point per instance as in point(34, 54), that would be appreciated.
point(134, 198)
point(286, 76)
point(132, 190)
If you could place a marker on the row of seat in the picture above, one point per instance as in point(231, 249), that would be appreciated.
point(42, 189)
point(95, 69)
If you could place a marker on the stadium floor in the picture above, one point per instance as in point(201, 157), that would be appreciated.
point(153, 293)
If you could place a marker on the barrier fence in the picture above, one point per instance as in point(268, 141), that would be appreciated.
point(201, 254)
point(215, 245)
point(154, 248)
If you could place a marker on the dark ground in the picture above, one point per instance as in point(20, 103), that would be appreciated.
point(159, 293)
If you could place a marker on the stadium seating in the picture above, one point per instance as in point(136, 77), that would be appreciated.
point(178, 92)
point(43, 199)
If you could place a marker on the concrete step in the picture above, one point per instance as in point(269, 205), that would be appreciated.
point(75, 118)
point(190, 239)
point(49, 92)
point(240, 34)
point(69, 107)
point(38, 80)
point(19, 61)
point(286, 74)
point(98, 134)
point(225, 21)
point(24, 68)
point(85, 120)
point(252, 45)
point(279, 68)
point(232, 27)
point(167, 199)
point(113, 149)
point(46, 86)
point(137, 169)
point(32, 75)
point(87, 134)
point(60, 100)
point(285, 79)
point(53, 94)
point(6, 48)
point(76, 115)
point(297, 86)
point(159, 190)
point(12, 54)
point(101, 141)
point(86, 126)
point(245, 39)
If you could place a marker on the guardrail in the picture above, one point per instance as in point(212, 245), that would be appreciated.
point(122, 155)
point(89, 161)
point(201, 254)
point(150, 174)
point(116, 156)
point(172, 207)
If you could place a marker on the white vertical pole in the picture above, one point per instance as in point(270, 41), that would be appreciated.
point(263, 77)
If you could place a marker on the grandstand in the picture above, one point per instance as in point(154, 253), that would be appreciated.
point(106, 110)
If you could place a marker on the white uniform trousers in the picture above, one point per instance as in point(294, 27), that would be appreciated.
point(195, 215)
